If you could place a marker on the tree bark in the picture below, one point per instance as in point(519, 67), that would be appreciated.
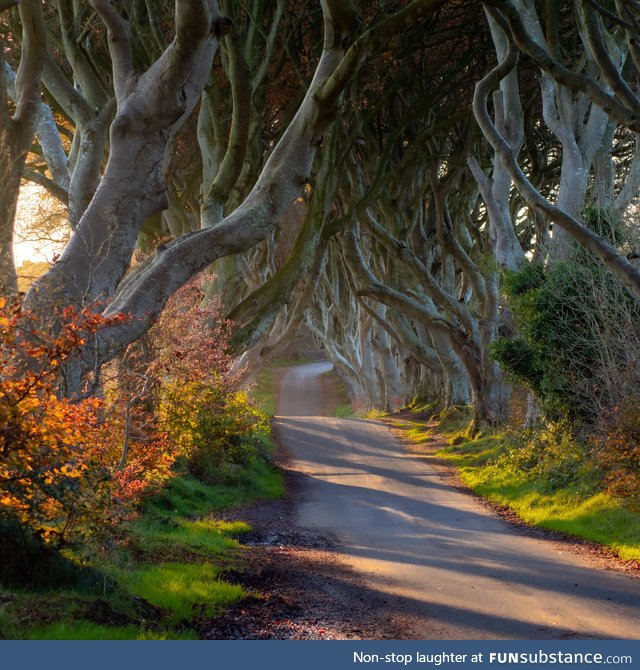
point(17, 129)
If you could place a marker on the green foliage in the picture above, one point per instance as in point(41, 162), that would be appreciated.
point(552, 458)
point(604, 223)
point(571, 319)
point(218, 430)
point(227, 438)
point(519, 283)
point(520, 358)
point(7, 625)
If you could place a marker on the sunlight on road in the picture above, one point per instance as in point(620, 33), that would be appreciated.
point(463, 572)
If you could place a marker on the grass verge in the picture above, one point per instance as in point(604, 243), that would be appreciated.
point(545, 477)
point(263, 392)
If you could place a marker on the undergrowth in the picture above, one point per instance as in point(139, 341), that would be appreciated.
point(166, 569)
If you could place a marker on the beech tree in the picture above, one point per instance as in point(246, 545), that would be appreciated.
point(367, 172)
point(151, 107)
point(580, 106)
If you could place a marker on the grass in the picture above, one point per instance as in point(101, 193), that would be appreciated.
point(545, 478)
point(85, 630)
point(344, 411)
point(263, 392)
point(168, 568)
point(209, 538)
point(186, 590)
point(577, 508)
point(188, 497)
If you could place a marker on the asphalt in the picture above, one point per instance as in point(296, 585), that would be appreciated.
point(458, 570)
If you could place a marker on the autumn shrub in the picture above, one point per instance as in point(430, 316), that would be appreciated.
point(187, 392)
point(617, 449)
point(55, 490)
point(71, 469)
point(217, 428)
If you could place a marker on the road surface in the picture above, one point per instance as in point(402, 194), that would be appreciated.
point(460, 572)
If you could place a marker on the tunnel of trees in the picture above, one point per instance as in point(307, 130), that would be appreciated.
point(444, 194)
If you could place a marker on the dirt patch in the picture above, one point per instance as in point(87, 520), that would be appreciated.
point(300, 589)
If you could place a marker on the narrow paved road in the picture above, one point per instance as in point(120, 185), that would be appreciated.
point(462, 572)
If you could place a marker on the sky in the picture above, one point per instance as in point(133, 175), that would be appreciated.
point(32, 204)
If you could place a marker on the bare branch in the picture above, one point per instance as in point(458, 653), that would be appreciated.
point(577, 82)
point(619, 265)
point(609, 69)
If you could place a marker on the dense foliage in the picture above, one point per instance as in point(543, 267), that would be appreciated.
point(70, 471)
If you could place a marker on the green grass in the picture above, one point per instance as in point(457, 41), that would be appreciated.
point(344, 411)
point(169, 567)
point(554, 499)
point(85, 630)
point(188, 497)
point(416, 432)
point(290, 362)
point(374, 414)
point(455, 423)
point(263, 393)
point(184, 589)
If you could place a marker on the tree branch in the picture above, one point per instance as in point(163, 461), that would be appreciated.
point(574, 81)
point(34, 45)
point(609, 69)
point(618, 265)
point(119, 46)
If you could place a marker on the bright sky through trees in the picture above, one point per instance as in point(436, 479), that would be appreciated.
point(40, 228)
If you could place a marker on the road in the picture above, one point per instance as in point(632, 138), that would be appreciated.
point(460, 572)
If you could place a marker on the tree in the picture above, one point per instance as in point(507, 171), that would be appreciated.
point(367, 171)
point(151, 107)
point(17, 126)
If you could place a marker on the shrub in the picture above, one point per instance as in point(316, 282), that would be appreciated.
point(217, 428)
point(579, 337)
point(187, 395)
point(51, 482)
point(551, 456)
point(617, 449)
